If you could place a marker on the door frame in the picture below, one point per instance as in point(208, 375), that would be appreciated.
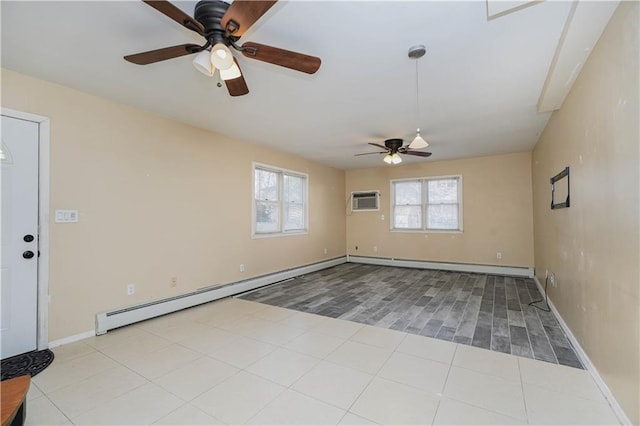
point(43, 219)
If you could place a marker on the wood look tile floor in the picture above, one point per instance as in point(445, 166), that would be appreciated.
point(242, 362)
point(485, 311)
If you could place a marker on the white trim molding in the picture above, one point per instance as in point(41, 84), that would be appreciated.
point(445, 266)
point(109, 320)
point(586, 362)
point(43, 219)
point(72, 339)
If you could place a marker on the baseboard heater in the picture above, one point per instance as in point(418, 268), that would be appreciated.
point(106, 321)
point(459, 267)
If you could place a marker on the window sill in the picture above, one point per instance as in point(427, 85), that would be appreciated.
point(430, 231)
point(278, 234)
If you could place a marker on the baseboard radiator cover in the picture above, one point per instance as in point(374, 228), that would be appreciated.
point(445, 266)
point(110, 320)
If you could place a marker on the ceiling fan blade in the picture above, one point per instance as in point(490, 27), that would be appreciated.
point(176, 14)
point(237, 86)
point(369, 153)
point(417, 153)
point(163, 54)
point(284, 58)
point(243, 13)
point(379, 146)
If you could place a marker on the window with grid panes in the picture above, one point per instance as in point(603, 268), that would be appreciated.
point(427, 204)
point(280, 201)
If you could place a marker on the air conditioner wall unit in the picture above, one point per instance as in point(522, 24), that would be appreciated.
point(365, 201)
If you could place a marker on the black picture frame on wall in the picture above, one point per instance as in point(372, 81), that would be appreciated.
point(560, 183)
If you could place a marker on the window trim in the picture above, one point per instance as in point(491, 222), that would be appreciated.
point(281, 171)
point(424, 196)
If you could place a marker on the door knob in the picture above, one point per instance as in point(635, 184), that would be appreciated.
point(27, 254)
point(28, 238)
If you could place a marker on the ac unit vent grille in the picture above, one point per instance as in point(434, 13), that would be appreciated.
point(362, 201)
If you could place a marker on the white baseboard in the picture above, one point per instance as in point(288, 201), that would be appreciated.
point(458, 267)
point(586, 362)
point(489, 269)
point(72, 339)
point(129, 315)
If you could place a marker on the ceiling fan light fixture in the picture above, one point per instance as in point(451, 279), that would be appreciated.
point(202, 63)
point(221, 24)
point(230, 73)
point(396, 159)
point(221, 56)
point(418, 142)
point(388, 159)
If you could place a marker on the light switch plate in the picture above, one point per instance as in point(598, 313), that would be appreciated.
point(66, 216)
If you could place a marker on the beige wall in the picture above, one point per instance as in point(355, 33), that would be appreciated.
point(497, 213)
point(592, 246)
point(157, 199)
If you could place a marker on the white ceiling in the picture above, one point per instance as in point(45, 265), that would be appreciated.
point(480, 80)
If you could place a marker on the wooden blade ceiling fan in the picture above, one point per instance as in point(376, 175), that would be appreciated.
point(393, 148)
point(222, 24)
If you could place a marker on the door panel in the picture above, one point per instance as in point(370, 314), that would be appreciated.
point(19, 268)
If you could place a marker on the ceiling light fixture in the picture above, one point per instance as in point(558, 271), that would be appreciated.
point(417, 52)
point(202, 62)
point(230, 73)
point(392, 158)
point(221, 56)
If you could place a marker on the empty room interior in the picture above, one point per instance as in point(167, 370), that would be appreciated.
point(318, 212)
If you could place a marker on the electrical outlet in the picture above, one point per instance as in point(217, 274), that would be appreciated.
point(552, 279)
point(325, 251)
point(174, 282)
point(381, 217)
point(242, 267)
point(131, 289)
point(499, 255)
point(375, 249)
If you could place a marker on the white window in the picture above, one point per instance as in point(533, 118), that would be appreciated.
point(427, 204)
point(280, 201)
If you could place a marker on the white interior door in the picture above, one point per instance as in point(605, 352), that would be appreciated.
point(19, 235)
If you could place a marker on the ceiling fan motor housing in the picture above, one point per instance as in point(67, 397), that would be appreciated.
point(393, 144)
point(209, 13)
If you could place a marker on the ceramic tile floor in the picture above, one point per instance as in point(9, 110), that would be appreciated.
point(241, 362)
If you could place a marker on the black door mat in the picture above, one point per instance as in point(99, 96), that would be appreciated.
point(30, 363)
